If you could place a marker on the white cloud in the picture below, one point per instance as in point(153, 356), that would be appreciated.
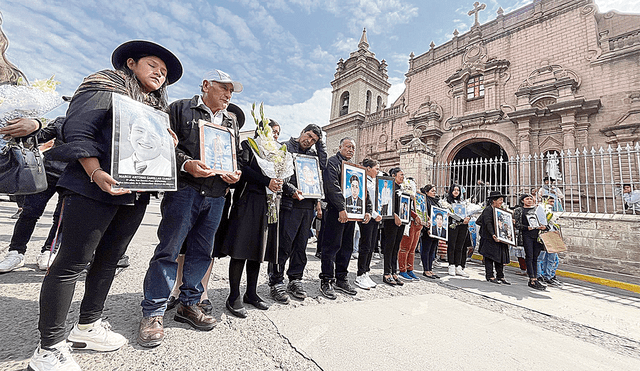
point(396, 90)
point(294, 117)
point(239, 27)
point(345, 45)
point(625, 6)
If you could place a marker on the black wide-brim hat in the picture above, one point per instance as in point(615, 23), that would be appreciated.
point(141, 48)
point(495, 194)
point(238, 112)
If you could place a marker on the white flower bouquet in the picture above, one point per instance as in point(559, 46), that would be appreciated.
point(274, 159)
point(17, 101)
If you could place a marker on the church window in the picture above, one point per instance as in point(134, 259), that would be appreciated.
point(368, 107)
point(475, 87)
point(379, 106)
point(344, 103)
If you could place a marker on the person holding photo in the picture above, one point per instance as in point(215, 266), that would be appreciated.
point(368, 231)
point(191, 214)
point(99, 219)
point(494, 252)
point(527, 223)
point(456, 253)
point(337, 241)
point(296, 215)
point(429, 244)
point(393, 232)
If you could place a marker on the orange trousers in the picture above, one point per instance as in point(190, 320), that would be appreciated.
point(407, 251)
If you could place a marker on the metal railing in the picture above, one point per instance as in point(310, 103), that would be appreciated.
point(589, 181)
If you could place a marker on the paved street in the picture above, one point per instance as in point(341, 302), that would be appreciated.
point(451, 324)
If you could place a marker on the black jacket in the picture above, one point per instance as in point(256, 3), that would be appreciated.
point(52, 131)
point(184, 115)
point(87, 132)
point(332, 177)
point(290, 186)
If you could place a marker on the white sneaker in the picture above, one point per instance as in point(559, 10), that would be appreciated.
point(460, 271)
point(371, 282)
point(361, 282)
point(45, 259)
point(97, 337)
point(57, 358)
point(452, 270)
point(12, 260)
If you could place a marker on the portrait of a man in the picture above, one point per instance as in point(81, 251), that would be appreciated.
point(354, 202)
point(148, 141)
point(438, 228)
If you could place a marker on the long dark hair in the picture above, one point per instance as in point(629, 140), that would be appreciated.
point(450, 198)
point(157, 98)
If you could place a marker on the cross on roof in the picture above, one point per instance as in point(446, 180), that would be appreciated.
point(477, 7)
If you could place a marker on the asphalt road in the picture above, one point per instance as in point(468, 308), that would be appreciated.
point(450, 324)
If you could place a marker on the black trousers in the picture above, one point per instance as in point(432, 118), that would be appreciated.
point(337, 245)
point(488, 268)
point(391, 244)
point(532, 249)
point(294, 235)
point(89, 229)
point(368, 240)
point(456, 253)
point(32, 209)
point(428, 251)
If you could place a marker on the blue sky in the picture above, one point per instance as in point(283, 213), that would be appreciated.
point(283, 51)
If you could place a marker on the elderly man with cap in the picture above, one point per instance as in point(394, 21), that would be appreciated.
point(190, 215)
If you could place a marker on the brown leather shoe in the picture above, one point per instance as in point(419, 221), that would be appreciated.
point(194, 316)
point(151, 331)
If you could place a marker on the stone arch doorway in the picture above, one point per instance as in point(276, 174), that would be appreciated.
point(480, 166)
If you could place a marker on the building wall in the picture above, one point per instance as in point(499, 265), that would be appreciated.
point(602, 241)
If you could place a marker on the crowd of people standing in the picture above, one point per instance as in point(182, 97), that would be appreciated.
point(213, 215)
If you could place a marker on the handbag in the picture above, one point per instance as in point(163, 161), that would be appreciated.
point(21, 168)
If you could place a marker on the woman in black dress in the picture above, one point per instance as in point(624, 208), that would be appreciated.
point(494, 252)
point(246, 238)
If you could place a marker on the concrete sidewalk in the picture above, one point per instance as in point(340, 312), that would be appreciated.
point(452, 323)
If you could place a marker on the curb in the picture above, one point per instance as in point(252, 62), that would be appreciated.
point(584, 277)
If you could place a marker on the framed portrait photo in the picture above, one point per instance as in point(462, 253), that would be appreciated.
point(421, 206)
point(404, 208)
point(384, 202)
point(460, 209)
point(142, 157)
point(354, 190)
point(503, 220)
point(439, 223)
point(217, 147)
point(308, 176)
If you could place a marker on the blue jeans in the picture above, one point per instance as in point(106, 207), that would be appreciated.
point(547, 264)
point(190, 218)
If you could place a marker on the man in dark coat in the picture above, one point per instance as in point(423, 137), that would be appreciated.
point(296, 215)
point(337, 246)
point(191, 214)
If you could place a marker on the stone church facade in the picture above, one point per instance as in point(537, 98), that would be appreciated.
point(550, 76)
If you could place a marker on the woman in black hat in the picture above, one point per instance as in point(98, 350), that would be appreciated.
point(493, 251)
point(99, 219)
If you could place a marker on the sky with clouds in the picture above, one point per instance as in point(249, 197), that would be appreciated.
point(283, 51)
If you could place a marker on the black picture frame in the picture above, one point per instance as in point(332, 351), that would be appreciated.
point(355, 207)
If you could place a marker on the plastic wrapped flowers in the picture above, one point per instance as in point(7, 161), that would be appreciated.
point(274, 159)
point(22, 100)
